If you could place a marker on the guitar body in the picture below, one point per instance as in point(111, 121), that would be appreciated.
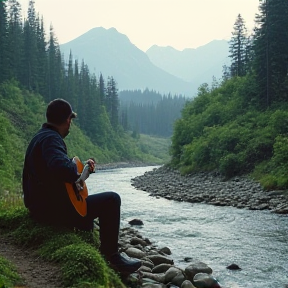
point(78, 197)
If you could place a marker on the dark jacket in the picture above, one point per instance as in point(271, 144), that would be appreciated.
point(46, 169)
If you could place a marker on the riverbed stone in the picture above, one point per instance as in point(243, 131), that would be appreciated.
point(159, 259)
point(171, 273)
point(136, 222)
point(161, 268)
point(135, 253)
point(151, 285)
point(204, 280)
point(187, 284)
point(137, 241)
point(195, 268)
point(165, 250)
point(233, 266)
point(147, 262)
point(144, 268)
point(179, 279)
point(159, 277)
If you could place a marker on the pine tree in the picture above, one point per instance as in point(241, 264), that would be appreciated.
point(54, 73)
point(271, 51)
point(71, 95)
point(41, 57)
point(102, 89)
point(83, 96)
point(3, 42)
point(238, 45)
point(15, 41)
point(30, 50)
point(112, 102)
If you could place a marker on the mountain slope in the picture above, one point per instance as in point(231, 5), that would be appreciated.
point(111, 53)
point(193, 65)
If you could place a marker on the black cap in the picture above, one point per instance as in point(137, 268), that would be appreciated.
point(58, 111)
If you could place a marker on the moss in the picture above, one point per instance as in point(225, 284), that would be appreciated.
point(75, 251)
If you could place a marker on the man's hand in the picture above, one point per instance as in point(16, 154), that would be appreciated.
point(91, 163)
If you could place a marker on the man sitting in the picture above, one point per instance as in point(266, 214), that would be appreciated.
point(46, 169)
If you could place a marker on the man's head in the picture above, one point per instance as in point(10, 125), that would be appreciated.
point(59, 113)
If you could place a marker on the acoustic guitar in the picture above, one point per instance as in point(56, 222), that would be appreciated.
point(78, 191)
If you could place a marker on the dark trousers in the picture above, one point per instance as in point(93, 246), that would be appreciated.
point(106, 207)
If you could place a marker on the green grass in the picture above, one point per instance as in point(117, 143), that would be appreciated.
point(76, 252)
point(157, 147)
point(8, 274)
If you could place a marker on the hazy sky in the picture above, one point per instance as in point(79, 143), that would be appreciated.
point(177, 23)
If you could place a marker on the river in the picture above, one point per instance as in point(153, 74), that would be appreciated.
point(257, 241)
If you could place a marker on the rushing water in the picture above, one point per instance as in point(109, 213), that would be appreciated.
point(257, 241)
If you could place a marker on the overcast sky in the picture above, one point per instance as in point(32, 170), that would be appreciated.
point(177, 23)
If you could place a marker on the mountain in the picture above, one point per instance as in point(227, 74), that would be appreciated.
point(111, 53)
point(193, 65)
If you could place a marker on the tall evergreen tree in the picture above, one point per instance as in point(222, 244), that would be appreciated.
point(15, 40)
point(30, 49)
point(70, 83)
point(41, 56)
point(271, 51)
point(83, 96)
point(3, 42)
point(238, 45)
point(112, 102)
point(102, 89)
point(54, 73)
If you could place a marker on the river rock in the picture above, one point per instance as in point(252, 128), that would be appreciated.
point(161, 268)
point(171, 273)
point(203, 280)
point(233, 267)
point(136, 222)
point(178, 279)
point(159, 259)
point(137, 240)
point(195, 268)
point(165, 250)
point(144, 268)
point(151, 285)
point(187, 284)
point(159, 277)
point(135, 253)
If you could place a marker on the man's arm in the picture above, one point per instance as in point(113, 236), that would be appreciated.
point(58, 163)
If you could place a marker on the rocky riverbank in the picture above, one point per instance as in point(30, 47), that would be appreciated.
point(158, 269)
point(211, 188)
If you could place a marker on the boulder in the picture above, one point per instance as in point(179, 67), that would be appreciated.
point(136, 222)
point(135, 253)
point(159, 259)
point(161, 268)
point(187, 284)
point(195, 268)
point(203, 280)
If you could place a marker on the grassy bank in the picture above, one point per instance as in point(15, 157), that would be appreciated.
point(76, 252)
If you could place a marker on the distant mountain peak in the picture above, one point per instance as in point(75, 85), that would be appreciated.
point(111, 53)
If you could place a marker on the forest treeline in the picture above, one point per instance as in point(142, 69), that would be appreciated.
point(240, 125)
point(148, 112)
